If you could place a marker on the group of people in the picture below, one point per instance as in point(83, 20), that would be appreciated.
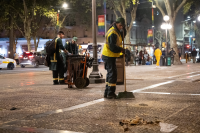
point(58, 65)
point(142, 55)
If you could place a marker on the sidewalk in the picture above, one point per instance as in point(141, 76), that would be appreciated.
point(167, 94)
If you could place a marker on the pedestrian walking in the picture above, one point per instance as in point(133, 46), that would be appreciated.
point(194, 55)
point(179, 55)
point(112, 49)
point(57, 65)
point(72, 47)
point(16, 58)
point(128, 56)
point(157, 54)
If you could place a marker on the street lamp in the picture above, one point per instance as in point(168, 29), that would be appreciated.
point(198, 18)
point(95, 75)
point(166, 26)
point(65, 5)
point(166, 18)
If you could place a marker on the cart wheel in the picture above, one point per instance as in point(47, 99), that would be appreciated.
point(87, 82)
point(69, 86)
point(80, 83)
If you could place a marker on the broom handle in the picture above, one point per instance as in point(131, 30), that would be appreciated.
point(124, 65)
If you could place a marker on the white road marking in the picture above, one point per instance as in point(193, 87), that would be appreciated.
point(29, 129)
point(166, 93)
point(193, 76)
point(153, 86)
point(70, 108)
point(94, 102)
point(100, 100)
point(183, 74)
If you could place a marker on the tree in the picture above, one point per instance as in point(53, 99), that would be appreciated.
point(121, 7)
point(42, 19)
point(6, 23)
point(172, 8)
point(26, 10)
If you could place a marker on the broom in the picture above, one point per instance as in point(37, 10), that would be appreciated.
point(125, 94)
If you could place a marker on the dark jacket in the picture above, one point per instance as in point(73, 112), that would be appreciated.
point(128, 54)
point(71, 48)
point(194, 53)
point(56, 58)
point(172, 53)
point(112, 39)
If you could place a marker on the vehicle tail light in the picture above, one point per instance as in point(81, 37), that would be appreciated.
point(21, 56)
point(30, 56)
point(27, 52)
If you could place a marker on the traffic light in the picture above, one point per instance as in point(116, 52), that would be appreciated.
point(187, 46)
point(194, 40)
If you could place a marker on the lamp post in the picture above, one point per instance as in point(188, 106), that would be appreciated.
point(166, 26)
point(95, 75)
point(65, 5)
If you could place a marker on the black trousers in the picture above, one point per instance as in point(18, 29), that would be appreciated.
point(111, 77)
point(58, 75)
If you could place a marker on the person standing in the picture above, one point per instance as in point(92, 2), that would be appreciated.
point(112, 50)
point(16, 57)
point(194, 55)
point(140, 57)
point(172, 53)
point(72, 47)
point(157, 54)
point(57, 65)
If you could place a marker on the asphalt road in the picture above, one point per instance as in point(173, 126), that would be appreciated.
point(28, 68)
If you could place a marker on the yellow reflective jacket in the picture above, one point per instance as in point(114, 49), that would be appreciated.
point(113, 45)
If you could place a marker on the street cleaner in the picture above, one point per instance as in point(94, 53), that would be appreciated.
point(112, 50)
point(157, 54)
point(57, 65)
point(72, 47)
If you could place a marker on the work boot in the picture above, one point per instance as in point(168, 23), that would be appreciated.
point(55, 83)
point(113, 96)
point(62, 83)
point(106, 92)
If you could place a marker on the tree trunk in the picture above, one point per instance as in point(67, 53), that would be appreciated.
point(14, 43)
point(29, 44)
point(127, 39)
point(11, 41)
point(174, 45)
point(28, 35)
point(35, 43)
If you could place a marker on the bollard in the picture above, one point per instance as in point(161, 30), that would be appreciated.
point(186, 57)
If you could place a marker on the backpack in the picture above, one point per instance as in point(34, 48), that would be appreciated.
point(50, 47)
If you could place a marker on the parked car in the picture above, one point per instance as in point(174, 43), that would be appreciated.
point(99, 51)
point(29, 58)
point(7, 63)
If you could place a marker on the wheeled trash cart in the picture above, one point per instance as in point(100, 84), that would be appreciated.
point(77, 67)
